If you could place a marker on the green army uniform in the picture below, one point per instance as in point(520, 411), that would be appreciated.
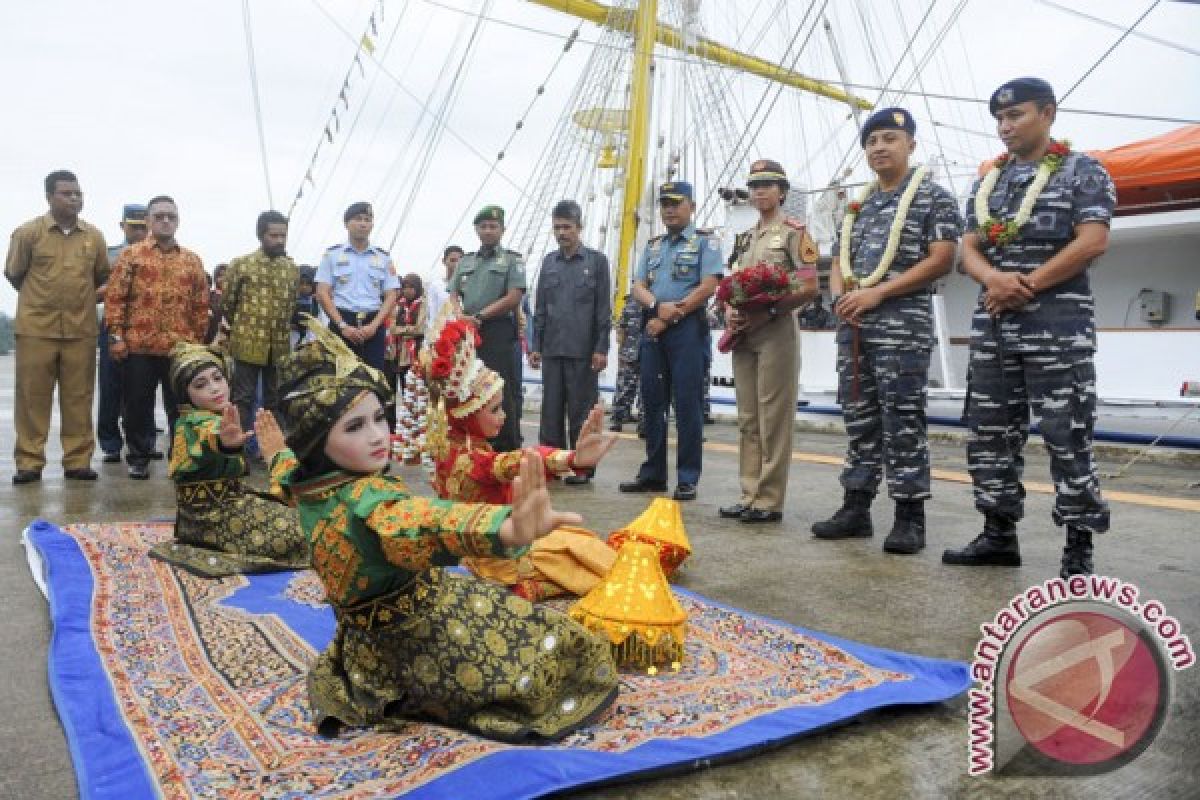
point(482, 278)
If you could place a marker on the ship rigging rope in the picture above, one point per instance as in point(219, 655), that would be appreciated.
point(1124, 35)
point(315, 204)
point(413, 96)
point(258, 115)
point(434, 135)
point(518, 127)
point(833, 80)
point(777, 89)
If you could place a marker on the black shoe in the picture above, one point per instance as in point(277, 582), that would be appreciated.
point(139, 472)
point(616, 426)
point(1077, 555)
point(685, 492)
point(995, 547)
point(908, 532)
point(641, 485)
point(851, 521)
point(81, 474)
point(111, 458)
point(708, 420)
point(157, 455)
point(27, 476)
point(577, 480)
point(755, 516)
point(734, 511)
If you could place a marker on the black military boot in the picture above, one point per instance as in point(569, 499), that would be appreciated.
point(996, 546)
point(852, 520)
point(1077, 555)
point(908, 531)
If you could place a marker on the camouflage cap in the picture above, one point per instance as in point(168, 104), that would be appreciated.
point(1020, 90)
point(897, 119)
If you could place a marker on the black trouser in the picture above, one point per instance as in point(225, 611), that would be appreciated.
point(568, 393)
point(142, 375)
point(245, 390)
point(496, 352)
point(373, 351)
point(108, 413)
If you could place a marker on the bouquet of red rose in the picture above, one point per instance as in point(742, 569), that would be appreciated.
point(759, 285)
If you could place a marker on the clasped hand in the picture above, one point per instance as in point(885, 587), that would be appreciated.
point(1007, 291)
point(853, 304)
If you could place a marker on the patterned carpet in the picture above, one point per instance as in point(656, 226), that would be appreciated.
point(177, 686)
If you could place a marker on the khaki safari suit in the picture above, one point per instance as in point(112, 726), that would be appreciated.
point(765, 366)
point(56, 275)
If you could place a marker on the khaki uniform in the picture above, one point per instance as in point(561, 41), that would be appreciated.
point(56, 276)
point(765, 366)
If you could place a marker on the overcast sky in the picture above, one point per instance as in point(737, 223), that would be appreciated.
point(140, 99)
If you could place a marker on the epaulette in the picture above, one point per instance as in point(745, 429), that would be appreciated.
point(380, 249)
point(705, 231)
point(658, 238)
point(792, 222)
point(334, 246)
point(513, 253)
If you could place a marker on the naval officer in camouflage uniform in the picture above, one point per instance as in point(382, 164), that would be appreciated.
point(629, 342)
point(491, 283)
point(885, 335)
point(1033, 335)
point(766, 357)
point(676, 275)
point(357, 287)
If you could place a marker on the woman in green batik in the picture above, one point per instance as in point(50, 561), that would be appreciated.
point(414, 641)
point(222, 527)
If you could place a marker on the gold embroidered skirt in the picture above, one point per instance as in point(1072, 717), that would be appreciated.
point(457, 651)
point(569, 560)
point(224, 528)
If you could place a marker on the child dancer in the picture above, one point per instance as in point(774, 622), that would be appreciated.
point(468, 413)
point(222, 527)
point(413, 640)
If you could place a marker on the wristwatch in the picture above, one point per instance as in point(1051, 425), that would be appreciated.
point(654, 307)
point(336, 323)
point(773, 311)
point(114, 339)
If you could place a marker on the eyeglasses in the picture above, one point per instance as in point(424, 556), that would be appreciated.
point(163, 216)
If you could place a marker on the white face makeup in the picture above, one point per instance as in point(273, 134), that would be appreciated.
point(360, 440)
point(491, 416)
point(209, 390)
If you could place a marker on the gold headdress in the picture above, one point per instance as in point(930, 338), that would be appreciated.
point(318, 382)
point(187, 360)
point(634, 608)
point(456, 377)
point(661, 526)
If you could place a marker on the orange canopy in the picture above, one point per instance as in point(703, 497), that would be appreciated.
point(1157, 174)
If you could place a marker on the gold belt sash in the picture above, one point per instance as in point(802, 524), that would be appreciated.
point(206, 492)
point(379, 612)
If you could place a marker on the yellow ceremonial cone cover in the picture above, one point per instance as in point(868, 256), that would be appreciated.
point(660, 525)
point(636, 610)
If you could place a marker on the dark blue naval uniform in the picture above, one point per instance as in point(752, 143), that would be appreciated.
point(883, 396)
point(673, 364)
point(1040, 357)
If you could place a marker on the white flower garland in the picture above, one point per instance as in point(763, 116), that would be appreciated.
point(1001, 233)
point(893, 245)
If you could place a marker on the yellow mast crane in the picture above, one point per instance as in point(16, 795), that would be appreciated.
point(647, 30)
